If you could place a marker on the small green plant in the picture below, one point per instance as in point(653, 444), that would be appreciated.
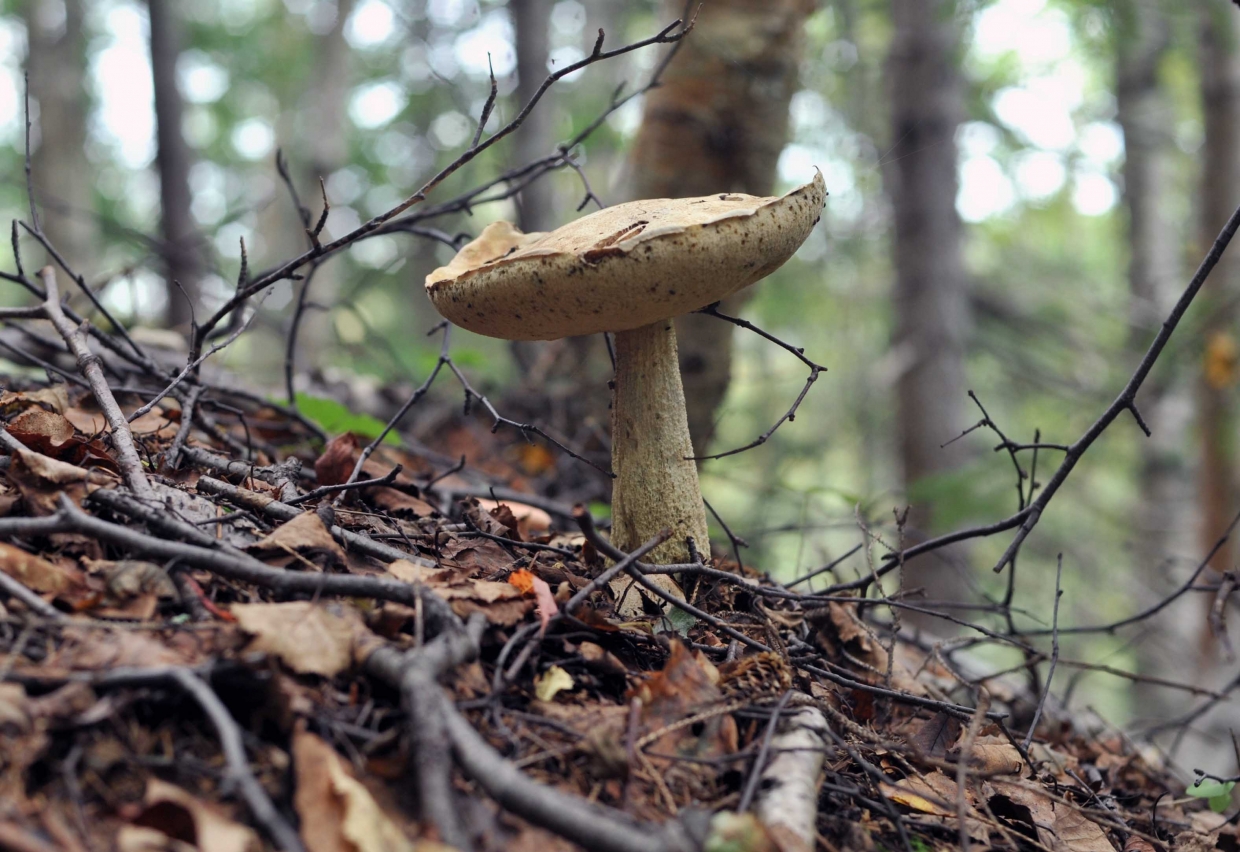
point(1218, 793)
point(336, 419)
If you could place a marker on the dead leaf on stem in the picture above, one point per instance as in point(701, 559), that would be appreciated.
point(501, 603)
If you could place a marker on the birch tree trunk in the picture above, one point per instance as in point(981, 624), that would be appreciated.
point(182, 248)
point(931, 289)
point(718, 124)
point(56, 62)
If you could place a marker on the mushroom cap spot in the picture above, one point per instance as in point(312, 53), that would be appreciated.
point(589, 276)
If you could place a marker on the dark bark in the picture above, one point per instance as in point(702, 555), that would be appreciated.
point(718, 124)
point(182, 248)
point(931, 289)
point(62, 174)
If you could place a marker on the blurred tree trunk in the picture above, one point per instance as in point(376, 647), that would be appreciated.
point(534, 139)
point(1143, 110)
point(718, 124)
point(1220, 191)
point(62, 175)
point(322, 150)
point(931, 289)
point(182, 247)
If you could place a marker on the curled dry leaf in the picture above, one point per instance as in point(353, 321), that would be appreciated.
point(41, 480)
point(530, 520)
point(175, 819)
point(544, 600)
point(338, 813)
point(336, 463)
point(307, 637)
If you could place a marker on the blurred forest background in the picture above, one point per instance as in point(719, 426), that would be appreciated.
point(1018, 191)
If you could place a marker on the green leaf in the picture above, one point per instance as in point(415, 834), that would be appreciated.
point(337, 419)
point(678, 620)
point(1217, 792)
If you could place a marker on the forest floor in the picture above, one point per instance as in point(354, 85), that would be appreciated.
point(259, 653)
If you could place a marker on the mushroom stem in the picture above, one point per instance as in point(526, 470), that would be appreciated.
point(656, 483)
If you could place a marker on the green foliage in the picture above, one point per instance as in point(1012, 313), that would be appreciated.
point(336, 419)
point(1217, 792)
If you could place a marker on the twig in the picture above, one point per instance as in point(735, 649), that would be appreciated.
point(88, 363)
point(759, 762)
point(1050, 674)
point(284, 512)
point(238, 767)
point(791, 413)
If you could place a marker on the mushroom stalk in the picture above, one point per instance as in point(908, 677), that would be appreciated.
point(656, 483)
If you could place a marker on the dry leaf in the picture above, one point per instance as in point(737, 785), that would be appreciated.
point(1060, 826)
point(544, 599)
point(40, 575)
point(171, 815)
point(686, 685)
point(554, 680)
point(501, 603)
point(337, 461)
point(53, 397)
point(306, 637)
point(531, 521)
point(337, 813)
point(933, 793)
point(304, 536)
point(42, 431)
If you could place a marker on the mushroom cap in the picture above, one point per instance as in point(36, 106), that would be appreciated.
point(623, 267)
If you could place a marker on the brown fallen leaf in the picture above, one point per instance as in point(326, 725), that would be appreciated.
point(933, 793)
point(41, 575)
point(172, 816)
point(687, 685)
point(53, 397)
point(337, 461)
point(501, 603)
point(307, 637)
point(338, 813)
point(41, 430)
point(42, 479)
point(305, 538)
point(1060, 826)
point(933, 736)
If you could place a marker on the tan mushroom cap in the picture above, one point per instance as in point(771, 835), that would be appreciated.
point(623, 267)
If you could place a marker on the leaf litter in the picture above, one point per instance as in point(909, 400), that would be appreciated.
point(607, 698)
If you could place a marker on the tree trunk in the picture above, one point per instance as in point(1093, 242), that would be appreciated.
point(1219, 66)
point(718, 124)
point(182, 247)
point(1143, 111)
point(323, 149)
point(56, 62)
point(534, 139)
point(931, 290)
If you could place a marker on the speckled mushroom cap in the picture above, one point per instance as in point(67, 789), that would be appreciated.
point(622, 267)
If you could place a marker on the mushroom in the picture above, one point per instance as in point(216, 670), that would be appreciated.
point(630, 269)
